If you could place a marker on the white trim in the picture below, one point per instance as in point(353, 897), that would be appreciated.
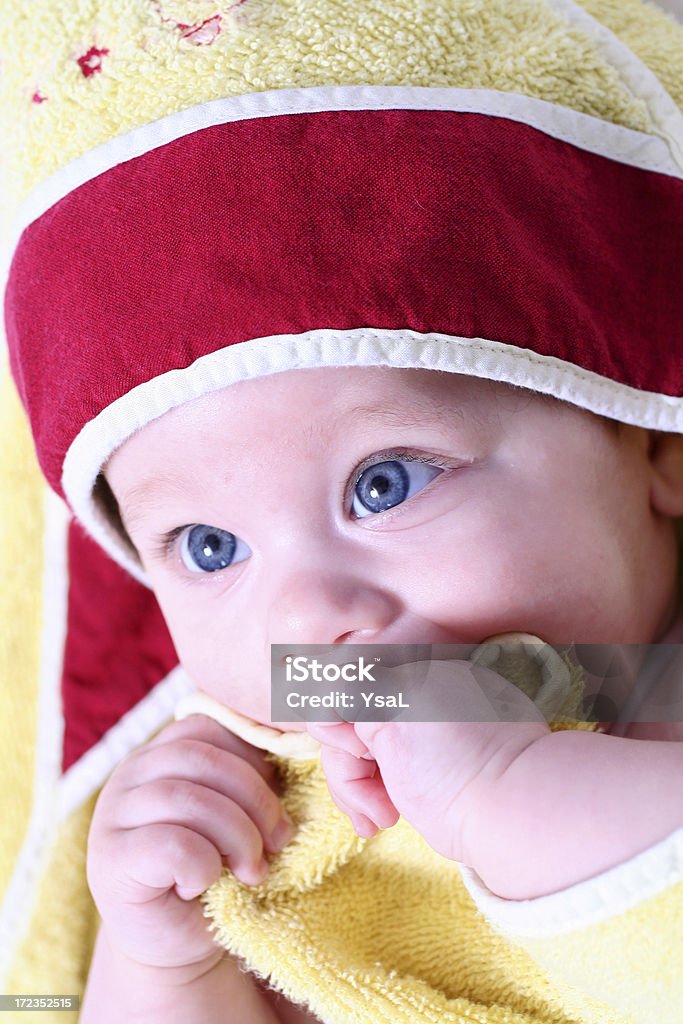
point(131, 731)
point(587, 903)
point(639, 79)
point(22, 889)
point(593, 134)
point(300, 746)
point(258, 357)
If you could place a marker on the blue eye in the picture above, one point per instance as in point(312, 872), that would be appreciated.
point(378, 487)
point(207, 549)
point(385, 484)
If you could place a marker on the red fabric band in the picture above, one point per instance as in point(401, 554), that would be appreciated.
point(460, 223)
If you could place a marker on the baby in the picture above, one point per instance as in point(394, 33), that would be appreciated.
point(323, 316)
point(274, 511)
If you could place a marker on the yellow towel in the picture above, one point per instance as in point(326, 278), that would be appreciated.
point(377, 929)
point(385, 923)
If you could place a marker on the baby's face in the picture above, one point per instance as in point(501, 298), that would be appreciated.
point(388, 505)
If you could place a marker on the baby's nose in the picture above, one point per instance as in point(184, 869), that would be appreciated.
point(328, 606)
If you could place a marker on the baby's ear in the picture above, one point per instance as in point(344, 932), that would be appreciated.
point(666, 458)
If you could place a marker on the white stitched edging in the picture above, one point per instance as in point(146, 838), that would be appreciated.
point(587, 903)
point(478, 357)
point(132, 730)
point(641, 81)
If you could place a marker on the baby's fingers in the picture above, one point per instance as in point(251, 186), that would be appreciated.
point(187, 760)
point(140, 888)
point(357, 789)
point(187, 805)
point(190, 862)
point(340, 735)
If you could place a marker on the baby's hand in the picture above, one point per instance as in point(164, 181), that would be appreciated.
point(431, 773)
point(168, 818)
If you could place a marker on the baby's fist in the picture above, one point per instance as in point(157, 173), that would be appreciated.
point(169, 817)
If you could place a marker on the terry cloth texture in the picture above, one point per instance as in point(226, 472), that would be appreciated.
point(382, 930)
point(109, 107)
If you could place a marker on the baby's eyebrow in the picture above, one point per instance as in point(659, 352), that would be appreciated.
point(148, 494)
point(424, 409)
point(151, 492)
point(394, 416)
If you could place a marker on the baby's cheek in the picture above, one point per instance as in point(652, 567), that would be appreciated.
point(219, 664)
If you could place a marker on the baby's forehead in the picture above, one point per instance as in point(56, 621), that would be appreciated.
point(295, 406)
point(355, 389)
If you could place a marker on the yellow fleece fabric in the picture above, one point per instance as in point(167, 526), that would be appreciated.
point(383, 930)
point(362, 930)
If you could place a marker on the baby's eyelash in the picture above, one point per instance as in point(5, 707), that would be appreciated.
point(405, 454)
point(163, 543)
point(395, 453)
